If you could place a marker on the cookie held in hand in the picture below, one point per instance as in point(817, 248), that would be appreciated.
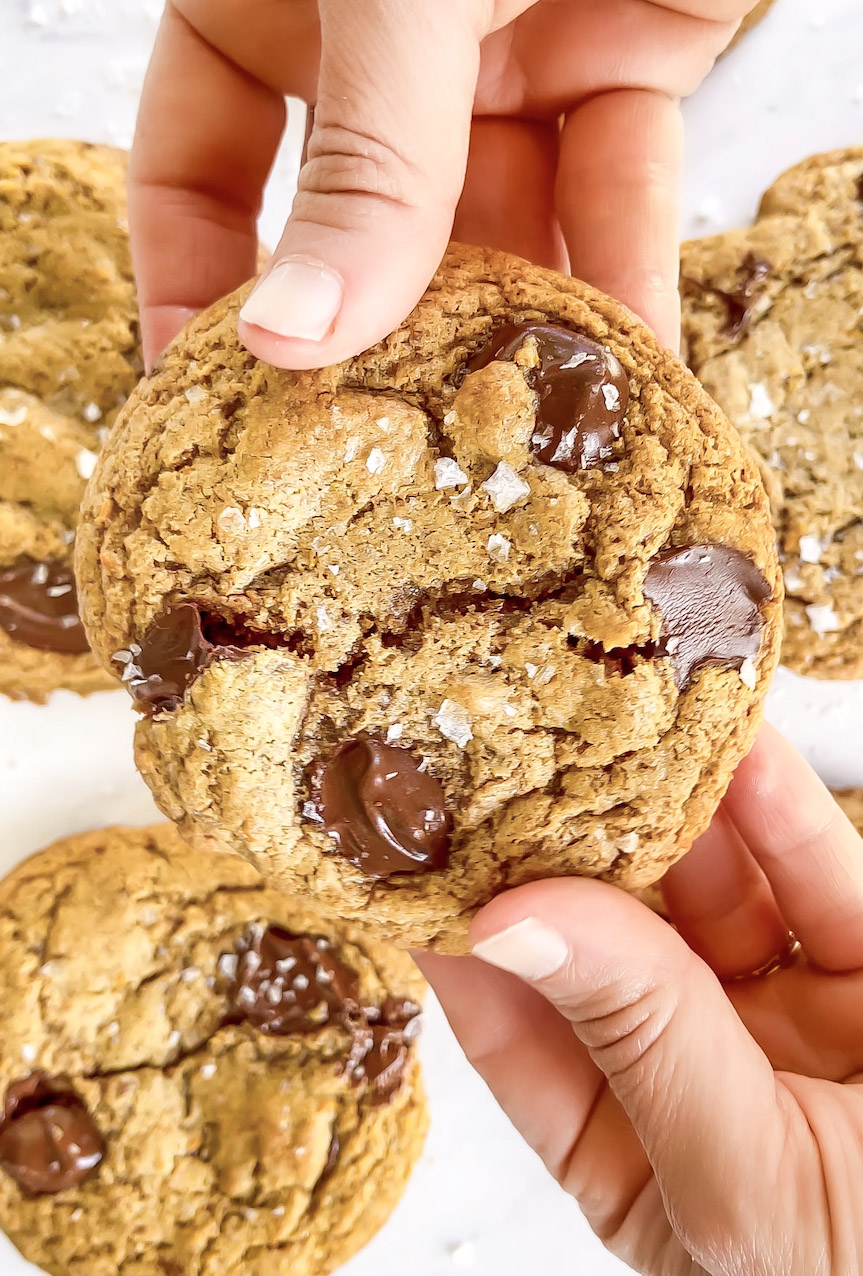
point(495, 601)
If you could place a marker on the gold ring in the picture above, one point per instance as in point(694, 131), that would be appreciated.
point(782, 961)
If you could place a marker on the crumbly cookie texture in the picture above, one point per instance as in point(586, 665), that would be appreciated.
point(772, 324)
point(851, 801)
point(69, 357)
point(172, 1103)
point(428, 624)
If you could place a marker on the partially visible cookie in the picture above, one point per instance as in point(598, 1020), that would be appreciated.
point(197, 1076)
point(851, 801)
point(773, 326)
point(752, 19)
point(497, 600)
point(69, 356)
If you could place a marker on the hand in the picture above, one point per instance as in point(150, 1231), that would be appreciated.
point(704, 1123)
point(572, 158)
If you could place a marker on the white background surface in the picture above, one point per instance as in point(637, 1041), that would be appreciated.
point(480, 1201)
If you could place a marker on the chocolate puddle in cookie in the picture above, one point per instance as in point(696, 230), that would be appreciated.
point(384, 811)
point(710, 599)
point(582, 392)
point(39, 607)
point(741, 302)
point(180, 644)
point(48, 1141)
point(289, 983)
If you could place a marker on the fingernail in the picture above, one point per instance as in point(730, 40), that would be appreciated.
point(528, 949)
point(298, 298)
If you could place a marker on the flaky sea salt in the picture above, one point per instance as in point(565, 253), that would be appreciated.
point(92, 412)
point(506, 488)
point(208, 1070)
point(447, 473)
point(85, 462)
point(498, 547)
point(375, 461)
point(195, 393)
point(823, 619)
point(353, 446)
point(531, 670)
point(232, 519)
point(228, 965)
point(394, 732)
point(793, 579)
point(812, 548)
point(13, 416)
point(761, 406)
point(254, 517)
point(749, 674)
point(324, 622)
point(454, 723)
point(403, 524)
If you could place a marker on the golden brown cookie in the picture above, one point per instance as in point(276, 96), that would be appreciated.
point(772, 323)
point(68, 358)
point(197, 1076)
point(851, 801)
point(485, 604)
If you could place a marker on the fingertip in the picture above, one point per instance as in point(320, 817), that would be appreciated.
point(159, 326)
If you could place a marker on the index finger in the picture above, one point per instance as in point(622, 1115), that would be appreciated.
point(206, 137)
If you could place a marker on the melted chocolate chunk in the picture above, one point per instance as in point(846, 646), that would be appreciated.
point(287, 983)
point(39, 607)
point(385, 813)
point(179, 645)
point(582, 393)
point(710, 598)
point(292, 983)
point(48, 1142)
point(174, 651)
point(741, 301)
point(381, 1046)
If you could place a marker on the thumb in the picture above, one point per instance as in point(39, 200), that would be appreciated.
point(697, 1089)
point(377, 195)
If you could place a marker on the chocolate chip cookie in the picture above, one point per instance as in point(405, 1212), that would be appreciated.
point(197, 1075)
point(68, 358)
point(772, 323)
point(496, 600)
point(851, 801)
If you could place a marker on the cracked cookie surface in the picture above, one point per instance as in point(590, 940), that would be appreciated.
point(68, 358)
point(436, 621)
point(772, 322)
point(236, 1075)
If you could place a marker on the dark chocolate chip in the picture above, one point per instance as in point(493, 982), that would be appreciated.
point(172, 654)
point(179, 645)
point(384, 811)
point(381, 1047)
point(292, 983)
point(741, 300)
point(288, 983)
point(39, 607)
point(582, 393)
point(48, 1141)
point(710, 599)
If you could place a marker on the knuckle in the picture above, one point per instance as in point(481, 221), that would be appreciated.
point(346, 161)
point(622, 1028)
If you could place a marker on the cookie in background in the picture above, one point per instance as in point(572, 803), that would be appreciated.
point(197, 1075)
point(69, 356)
point(772, 327)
